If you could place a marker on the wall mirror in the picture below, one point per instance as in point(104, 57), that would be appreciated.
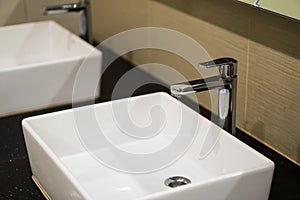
point(290, 8)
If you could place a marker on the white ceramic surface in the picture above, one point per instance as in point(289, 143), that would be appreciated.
point(39, 63)
point(71, 162)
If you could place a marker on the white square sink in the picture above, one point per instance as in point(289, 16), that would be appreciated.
point(39, 63)
point(127, 149)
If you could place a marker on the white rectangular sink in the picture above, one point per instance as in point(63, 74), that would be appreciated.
point(127, 149)
point(39, 63)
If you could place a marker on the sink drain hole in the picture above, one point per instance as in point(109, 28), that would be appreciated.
point(177, 181)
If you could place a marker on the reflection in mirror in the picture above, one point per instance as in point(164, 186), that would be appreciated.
point(256, 3)
point(290, 8)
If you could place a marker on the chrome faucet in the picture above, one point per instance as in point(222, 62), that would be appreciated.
point(80, 7)
point(225, 82)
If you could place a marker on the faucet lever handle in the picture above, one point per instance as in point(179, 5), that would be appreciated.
point(218, 62)
point(227, 66)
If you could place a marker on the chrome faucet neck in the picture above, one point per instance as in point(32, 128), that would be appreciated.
point(226, 82)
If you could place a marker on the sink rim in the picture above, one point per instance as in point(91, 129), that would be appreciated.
point(264, 166)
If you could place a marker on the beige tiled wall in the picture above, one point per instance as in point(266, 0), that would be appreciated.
point(12, 12)
point(266, 46)
point(273, 107)
point(114, 16)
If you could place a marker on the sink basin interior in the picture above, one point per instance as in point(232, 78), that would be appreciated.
point(32, 43)
point(133, 163)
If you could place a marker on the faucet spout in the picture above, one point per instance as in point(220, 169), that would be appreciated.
point(200, 85)
point(64, 8)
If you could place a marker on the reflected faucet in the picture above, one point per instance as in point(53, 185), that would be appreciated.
point(225, 82)
point(80, 7)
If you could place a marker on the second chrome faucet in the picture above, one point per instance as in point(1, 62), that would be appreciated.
point(81, 7)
